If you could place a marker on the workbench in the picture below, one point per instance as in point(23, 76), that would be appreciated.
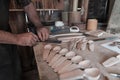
point(97, 58)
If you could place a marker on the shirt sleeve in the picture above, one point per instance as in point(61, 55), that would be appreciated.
point(24, 3)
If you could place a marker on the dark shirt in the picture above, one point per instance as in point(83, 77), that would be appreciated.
point(4, 12)
point(23, 2)
point(9, 59)
point(10, 68)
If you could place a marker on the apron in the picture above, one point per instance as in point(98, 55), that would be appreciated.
point(10, 68)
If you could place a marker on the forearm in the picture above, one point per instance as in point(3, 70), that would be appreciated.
point(43, 33)
point(7, 38)
point(24, 39)
point(33, 16)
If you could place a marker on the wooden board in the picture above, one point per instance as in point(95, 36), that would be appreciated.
point(97, 57)
point(45, 72)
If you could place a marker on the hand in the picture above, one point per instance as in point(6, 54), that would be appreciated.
point(43, 33)
point(26, 39)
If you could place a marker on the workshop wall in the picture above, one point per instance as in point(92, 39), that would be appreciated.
point(98, 9)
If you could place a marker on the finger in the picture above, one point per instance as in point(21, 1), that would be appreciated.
point(32, 39)
point(33, 42)
point(40, 36)
point(29, 43)
point(43, 35)
point(47, 35)
point(35, 38)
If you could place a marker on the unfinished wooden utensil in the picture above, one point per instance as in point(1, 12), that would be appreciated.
point(69, 68)
point(76, 59)
point(81, 45)
point(118, 56)
point(60, 61)
point(72, 67)
point(55, 50)
point(67, 62)
point(111, 61)
point(114, 69)
point(73, 43)
point(91, 45)
point(92, 73)
point(73, 75)
point(61, 53)
point(55, 58)
point(76, 42)
point(64, 67)
point(70, 54)
point(85, 64)
point(46, 51)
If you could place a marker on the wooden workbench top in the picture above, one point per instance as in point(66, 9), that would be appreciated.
point(97, 57)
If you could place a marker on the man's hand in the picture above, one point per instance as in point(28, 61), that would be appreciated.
point(43, 33)
point(26, 39)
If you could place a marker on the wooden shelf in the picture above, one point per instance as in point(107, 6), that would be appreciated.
point(17, 10)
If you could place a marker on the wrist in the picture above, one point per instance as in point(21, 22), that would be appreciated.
point(38, 25)
point(16, 39)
